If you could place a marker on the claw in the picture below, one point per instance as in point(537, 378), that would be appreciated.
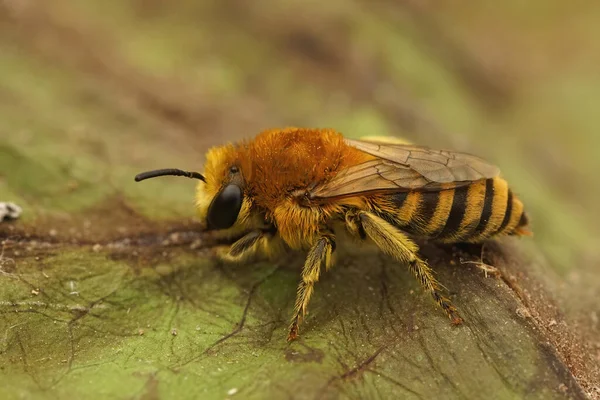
point(456, 319)
point(293, 335)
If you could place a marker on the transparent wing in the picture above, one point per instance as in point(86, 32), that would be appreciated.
point(401, 167)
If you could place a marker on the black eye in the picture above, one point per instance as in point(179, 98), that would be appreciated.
point(225, 207)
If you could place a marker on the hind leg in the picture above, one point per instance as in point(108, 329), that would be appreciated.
point(396, 244)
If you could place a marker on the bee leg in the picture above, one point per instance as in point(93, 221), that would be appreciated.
point(396, 244)
point(258, 241)
point(320, 253)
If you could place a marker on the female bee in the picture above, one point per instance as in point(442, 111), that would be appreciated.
point(293, 187)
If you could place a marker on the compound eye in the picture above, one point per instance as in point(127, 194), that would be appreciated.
point(225, 207)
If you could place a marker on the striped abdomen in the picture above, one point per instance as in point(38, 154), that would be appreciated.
point(469, 213)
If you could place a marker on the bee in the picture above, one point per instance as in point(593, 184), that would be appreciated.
point(293, 188)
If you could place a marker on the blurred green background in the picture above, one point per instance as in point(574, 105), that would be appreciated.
point(92, 92)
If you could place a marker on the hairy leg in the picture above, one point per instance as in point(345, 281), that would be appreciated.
point(320, 253)
point(264, 242)
point(396, 244)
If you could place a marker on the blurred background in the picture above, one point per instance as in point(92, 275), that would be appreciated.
point(92, 92)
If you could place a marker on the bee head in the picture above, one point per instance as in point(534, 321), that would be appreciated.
point(220, 200)
point(220, 194)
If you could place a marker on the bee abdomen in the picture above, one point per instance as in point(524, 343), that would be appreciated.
point(494, 210)
point(468, 213)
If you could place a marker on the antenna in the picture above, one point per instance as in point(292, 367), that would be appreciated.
point(169, 171)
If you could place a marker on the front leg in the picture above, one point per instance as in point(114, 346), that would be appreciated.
point(319, 253)
point(260, 241)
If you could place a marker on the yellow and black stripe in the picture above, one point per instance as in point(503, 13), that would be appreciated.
point(469, 213)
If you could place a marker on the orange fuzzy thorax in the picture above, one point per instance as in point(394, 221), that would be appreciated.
point(279, 161)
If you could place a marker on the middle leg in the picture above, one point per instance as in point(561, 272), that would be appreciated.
point(320, 253)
